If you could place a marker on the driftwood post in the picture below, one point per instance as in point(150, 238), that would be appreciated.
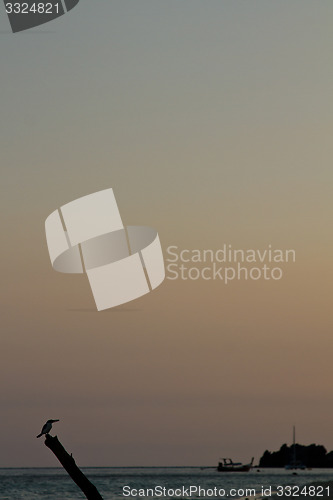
point(68, 463)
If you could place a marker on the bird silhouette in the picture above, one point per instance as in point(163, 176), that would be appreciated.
point(47, 427)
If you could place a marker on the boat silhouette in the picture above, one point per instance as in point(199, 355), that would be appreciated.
point(227, 465)
point(294, 464)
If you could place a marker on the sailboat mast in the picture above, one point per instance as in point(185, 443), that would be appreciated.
point(294, 445)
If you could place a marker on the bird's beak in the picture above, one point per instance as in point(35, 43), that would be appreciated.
point(55, 420)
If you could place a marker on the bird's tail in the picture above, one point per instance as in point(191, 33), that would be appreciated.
point(39, 435)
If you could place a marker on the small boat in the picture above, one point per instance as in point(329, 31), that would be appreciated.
point(227, 465)
point(294, 464)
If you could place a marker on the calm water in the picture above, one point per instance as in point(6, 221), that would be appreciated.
point(54, 484)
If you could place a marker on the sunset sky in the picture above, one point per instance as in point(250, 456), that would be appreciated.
point(212, 121)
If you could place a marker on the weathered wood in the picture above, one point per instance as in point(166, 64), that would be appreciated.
point(68, 463)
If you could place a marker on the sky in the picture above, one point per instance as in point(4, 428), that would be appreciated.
point(212, 122)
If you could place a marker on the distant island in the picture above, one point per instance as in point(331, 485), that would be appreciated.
point(313, 456)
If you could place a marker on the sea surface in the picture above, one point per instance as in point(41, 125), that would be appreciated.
point(55, 484)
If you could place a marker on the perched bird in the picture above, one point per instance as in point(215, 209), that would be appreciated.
point(47, 427)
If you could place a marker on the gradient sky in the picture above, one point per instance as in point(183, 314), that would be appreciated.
point(212, 121)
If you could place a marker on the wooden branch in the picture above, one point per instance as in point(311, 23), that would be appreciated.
point(68, 463)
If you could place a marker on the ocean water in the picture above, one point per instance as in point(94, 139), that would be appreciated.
point(55, 484)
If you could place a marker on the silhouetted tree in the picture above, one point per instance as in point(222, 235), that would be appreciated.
point(68, 463)
point(311, 456)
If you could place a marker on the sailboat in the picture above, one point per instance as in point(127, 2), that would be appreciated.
point(294, 464)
